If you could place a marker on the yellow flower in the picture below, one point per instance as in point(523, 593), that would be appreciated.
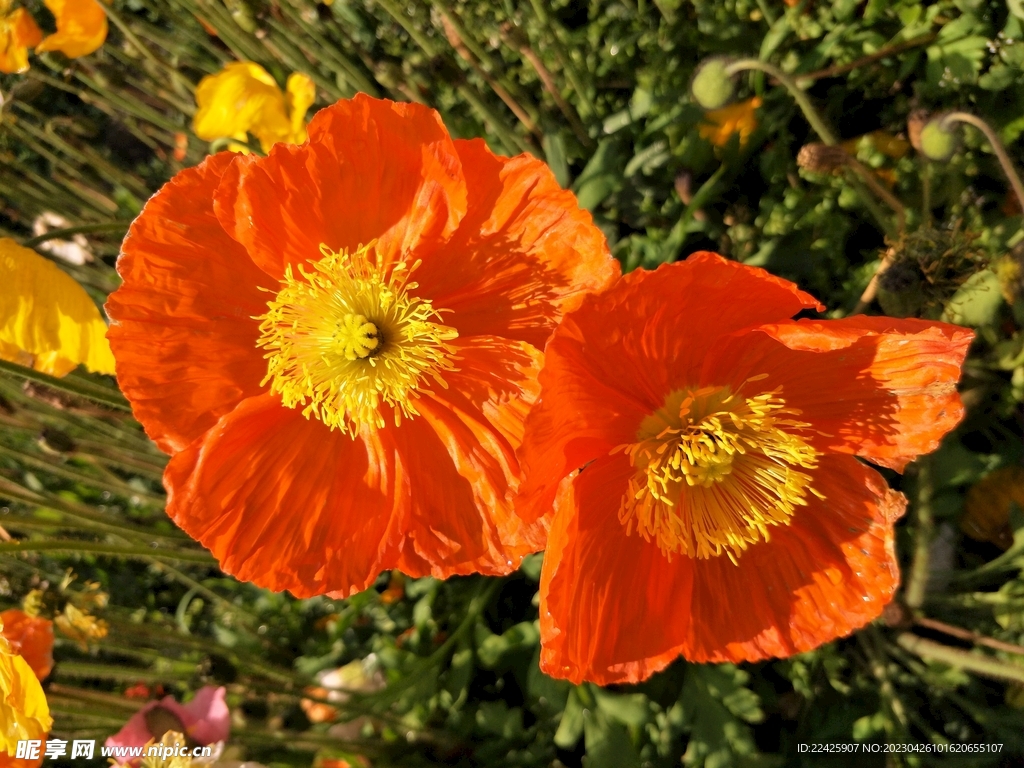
point(80, 626)
point(244, 98)
point(18, 33)
point(891, 146)
point(23, 709)
point(47, 321)
point(720, 124)
point(81, 27)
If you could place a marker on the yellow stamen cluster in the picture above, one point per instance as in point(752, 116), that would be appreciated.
point(346, 339)
point(715, 470)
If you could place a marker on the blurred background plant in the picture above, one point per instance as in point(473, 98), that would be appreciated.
point(834, 160)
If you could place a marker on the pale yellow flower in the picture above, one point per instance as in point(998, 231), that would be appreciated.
point(24, 713)
point(81, 27)
point(243, 98)
point(47, 321)
point(80, 626)
point(720, 124)
point(18, 33)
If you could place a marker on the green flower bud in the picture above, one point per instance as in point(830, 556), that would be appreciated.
point(937, 141)
point(712, 86)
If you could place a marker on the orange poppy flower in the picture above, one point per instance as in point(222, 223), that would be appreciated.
point(720, 513)
point(338, 343)
point(31, 637)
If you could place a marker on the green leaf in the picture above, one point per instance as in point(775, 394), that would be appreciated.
point(570, 727)
point(977, 302)
point(716, 702)
point(496, 717)
point(491, 651)
point(602, 175)
point(554, 151)
point(608, 743)
point(628, 709)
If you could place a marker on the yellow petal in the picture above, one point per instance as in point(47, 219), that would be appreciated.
point(18, 33)
point(720, 124)
point(23, 709)
point(81, 27)
point(46, 319)
point(242, 98)
point(300, 94)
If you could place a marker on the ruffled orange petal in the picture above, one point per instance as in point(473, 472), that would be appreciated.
point(878, 387)
point(612, 609)
point(183, 334)
point(829, 572)
point(524, 254)
point(286, 503)
point(615, 359)
point(31, 637)
point(371, 170)
point(459, 455)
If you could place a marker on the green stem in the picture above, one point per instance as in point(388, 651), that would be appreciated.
point(147, 54)
point(59, 470)
point(418, 37)
point(16, 492)
point(564, 58)
point(997, 148)
point(799, 96)
point(102, 548)
point(917, 581)
point(92, 392)
point(206, 592)
point(972, 662)
point(825, 133)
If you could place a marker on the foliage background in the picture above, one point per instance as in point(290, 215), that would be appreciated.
point(599, 89)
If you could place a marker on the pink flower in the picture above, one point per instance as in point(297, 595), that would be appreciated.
point(205, 719)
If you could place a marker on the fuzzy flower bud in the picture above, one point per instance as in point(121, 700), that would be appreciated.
point(937, 141)
point(821, 158)
point(712, 85)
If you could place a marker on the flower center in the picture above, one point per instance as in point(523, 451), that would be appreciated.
point(715, 470)
point(346, 340)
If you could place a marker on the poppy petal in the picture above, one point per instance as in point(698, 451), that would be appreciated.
point(183, 334)
point(615, 359)
point(524, 253)
point(460, 509)
point(879, 387)
point(599, 586)
point(31, 637)
point(371, 170)
point(285, 502)
point(81, 27)
point(829, 572)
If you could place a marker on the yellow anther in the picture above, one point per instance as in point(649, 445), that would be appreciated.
point(349, 342)
point(715, 471)
point(356, 337)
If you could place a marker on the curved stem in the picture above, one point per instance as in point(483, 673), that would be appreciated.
point(820, 127)
point(997, 148)
point(817, 122)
